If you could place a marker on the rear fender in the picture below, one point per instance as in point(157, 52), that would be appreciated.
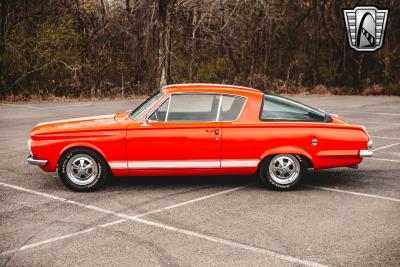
point(287, 150)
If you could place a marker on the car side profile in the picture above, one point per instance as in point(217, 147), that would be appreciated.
point(199, 129)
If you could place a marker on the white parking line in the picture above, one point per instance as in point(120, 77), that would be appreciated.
point(384, 147)
point(126, 217)
point(354, 193)
point(391, 160)
point(155, 224)
point(385, 137)
point(231, 243)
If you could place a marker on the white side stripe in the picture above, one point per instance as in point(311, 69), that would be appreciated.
point(239, 163)
point(173, 164)
point(118, 165)
point(163, 164)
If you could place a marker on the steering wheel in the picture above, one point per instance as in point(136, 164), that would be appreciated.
point(156, 115)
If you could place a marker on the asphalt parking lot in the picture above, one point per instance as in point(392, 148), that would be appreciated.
point(337, 217)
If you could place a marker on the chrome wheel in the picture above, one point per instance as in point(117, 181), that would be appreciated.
point(284, 169)
point(81, 169)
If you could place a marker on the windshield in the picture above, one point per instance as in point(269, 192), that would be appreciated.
point(141, 109)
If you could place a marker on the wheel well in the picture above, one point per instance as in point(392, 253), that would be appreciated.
point(304, 159)
point(86, 148)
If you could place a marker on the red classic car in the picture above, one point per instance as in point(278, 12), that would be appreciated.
point(199, 129)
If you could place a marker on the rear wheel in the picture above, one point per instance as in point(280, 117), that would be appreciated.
point(82, 169)
point(283, 171)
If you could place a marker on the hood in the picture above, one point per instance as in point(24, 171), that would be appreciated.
point(103, 122)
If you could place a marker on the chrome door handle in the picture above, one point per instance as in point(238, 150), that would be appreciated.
point(216, 131)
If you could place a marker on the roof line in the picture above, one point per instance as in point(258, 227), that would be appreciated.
point(210, 84)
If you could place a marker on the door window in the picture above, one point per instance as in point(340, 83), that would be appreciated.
point(198, 107)
point(193, 107)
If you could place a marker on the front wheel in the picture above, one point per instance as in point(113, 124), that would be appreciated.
point(283, 171)
point(81, 169)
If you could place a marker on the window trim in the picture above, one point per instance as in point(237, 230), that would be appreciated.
point(327, 118)
point(139, 119)
point(168, 98)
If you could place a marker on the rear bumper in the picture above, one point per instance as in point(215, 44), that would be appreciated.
point(366, 153)
point(36, 162)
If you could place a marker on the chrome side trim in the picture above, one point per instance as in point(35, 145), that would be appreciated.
point(366, 153)
point(173, 164)
point(219, 107)
point(36, 162)
point(169, 104)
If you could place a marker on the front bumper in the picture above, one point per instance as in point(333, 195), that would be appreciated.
point(36, 162)
point(366, 153)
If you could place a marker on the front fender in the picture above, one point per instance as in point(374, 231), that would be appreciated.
point(82, 144)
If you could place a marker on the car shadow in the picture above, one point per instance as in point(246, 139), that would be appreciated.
point(343, 177)
point(145, 182)
point(339, 177)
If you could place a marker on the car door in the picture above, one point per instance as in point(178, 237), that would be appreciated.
point(182, 135)
point(237, 156)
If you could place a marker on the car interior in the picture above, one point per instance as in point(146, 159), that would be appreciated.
point(228, 113)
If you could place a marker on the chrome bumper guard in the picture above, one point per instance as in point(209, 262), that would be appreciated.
point(36, 162)
point(366, 153)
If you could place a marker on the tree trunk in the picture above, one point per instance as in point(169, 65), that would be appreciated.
point(164, 42)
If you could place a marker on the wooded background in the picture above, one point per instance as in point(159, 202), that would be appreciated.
point(97, 48)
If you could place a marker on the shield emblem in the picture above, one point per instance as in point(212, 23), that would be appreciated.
point(365, 27)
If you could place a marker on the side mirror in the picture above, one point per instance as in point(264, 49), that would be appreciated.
point(146, 121)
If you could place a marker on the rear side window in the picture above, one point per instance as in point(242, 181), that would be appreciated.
point(231, 106)
point(281, 109)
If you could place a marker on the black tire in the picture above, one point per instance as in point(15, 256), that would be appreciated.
point(74, 177)
point(268, 175)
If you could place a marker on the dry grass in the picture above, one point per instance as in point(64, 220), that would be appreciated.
point(51, 98)
point(260, 82)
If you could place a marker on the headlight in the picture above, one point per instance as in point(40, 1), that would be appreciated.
point(370, 144)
